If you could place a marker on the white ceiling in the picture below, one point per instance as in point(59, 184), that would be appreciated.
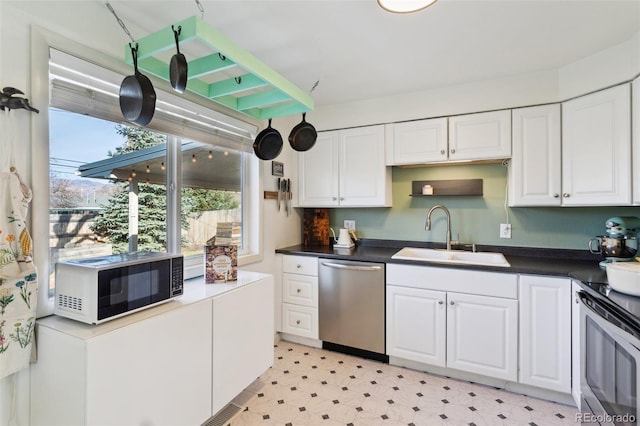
point(358, 51)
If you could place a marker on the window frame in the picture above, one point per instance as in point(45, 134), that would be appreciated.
point(41, 41)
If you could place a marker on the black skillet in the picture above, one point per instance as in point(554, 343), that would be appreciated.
point(178, 67)
point(268, 143)
point(303, 136)
point(137, 96)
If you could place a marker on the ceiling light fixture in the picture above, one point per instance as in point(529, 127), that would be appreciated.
point(405, 6)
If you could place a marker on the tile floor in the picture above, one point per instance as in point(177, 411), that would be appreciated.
point(309, 386)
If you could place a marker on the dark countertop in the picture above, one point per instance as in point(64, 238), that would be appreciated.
point(578, 264)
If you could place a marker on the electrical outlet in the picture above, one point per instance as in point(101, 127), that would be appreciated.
point(350, 224)
point(505, 230)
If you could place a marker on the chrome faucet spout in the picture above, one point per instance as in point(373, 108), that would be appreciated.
point(427, 225)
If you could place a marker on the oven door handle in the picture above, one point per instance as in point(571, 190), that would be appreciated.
point(611, 320)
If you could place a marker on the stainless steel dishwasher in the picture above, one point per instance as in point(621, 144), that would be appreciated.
point(352, 307)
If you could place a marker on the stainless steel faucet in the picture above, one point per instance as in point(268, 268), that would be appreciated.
point(427, 225)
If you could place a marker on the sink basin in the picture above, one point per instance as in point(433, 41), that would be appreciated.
point(458, 257)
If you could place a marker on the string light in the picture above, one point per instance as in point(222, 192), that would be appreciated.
point(210, 155)
point(193, 158)
point(226, 153)
point(133, 173)
point(148, 169)
point(162, 166)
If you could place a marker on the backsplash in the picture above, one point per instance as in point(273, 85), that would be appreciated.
point(476, 219)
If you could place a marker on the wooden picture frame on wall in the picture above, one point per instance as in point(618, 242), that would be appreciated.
point(277, 169)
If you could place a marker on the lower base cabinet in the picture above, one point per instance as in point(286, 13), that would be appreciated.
point(467, 332)
point(178, 367)
point(545, 332)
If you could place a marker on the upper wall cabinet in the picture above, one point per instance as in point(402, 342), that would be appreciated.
point(417, 142)
point(534, 173)
point(596, 148)
point(480, 136)
point(345, 168)
point(635, 131)
point(485, 135)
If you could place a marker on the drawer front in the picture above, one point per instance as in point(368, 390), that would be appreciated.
point(300, 289)
point(300, 265)
point(300, 320)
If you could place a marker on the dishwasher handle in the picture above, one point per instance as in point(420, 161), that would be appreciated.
point(351, 267)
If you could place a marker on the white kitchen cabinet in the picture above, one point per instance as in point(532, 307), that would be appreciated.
point(460, 319)
point(596, 148)
point(545, 332)
point(155, 371)
point(416, 324)
point(243, 333)
point(534, 174)
point(484, 135)
point(576, 364)
point(482, 335)
point(418, 142)
point(635, 131)
point(345, 168)
point(300, 296)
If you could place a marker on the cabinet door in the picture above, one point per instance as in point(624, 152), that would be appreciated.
point(300, 289)
point(485, 135)
point(596, 148)
point(243, 335)
point(416, 323)
point(365, 180)
point(545, 332)
point(165, 380)
point(635, 131)
point(419, 142)
point(482, 335)
point(318, 172)
point(535, 169)
point(576, 364)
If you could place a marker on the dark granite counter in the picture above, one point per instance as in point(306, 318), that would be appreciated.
point(557, 262)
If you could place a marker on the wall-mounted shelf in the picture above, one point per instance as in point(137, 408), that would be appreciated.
point(220, 70)
point(447, 187)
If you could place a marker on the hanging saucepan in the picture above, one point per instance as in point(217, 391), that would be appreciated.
point(178, 67)
point(137, 97)
point(303, 136)
point(268, 143)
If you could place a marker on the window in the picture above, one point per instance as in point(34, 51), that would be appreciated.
point(116, 188)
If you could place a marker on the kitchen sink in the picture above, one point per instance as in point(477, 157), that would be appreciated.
point(457, 257)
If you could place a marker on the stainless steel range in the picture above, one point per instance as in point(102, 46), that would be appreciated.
point(610, 356)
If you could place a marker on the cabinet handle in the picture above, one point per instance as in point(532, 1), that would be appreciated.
point(451, 302)
point(298, 290)
point(341, 198)
point(453, 150)
point(565, 195)
point(298, 266)
point(297, 322)
point(334, 198)
point(440, 302)
point(556, 195)
point(442, 151)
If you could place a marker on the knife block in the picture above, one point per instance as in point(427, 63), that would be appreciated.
point(316, 227)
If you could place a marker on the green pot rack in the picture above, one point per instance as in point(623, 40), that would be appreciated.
point(259, 91)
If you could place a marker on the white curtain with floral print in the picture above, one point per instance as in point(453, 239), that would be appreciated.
point(18, 276)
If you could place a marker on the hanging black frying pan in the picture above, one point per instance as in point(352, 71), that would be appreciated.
point(178, 67)
point(137, 96)
point(268, 143)
point(303, 136)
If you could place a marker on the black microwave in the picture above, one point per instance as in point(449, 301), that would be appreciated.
point(98, 289)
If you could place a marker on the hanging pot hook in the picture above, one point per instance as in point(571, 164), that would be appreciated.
point(176, 33)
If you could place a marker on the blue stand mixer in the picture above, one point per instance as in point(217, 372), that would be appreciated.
point(620, 241)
